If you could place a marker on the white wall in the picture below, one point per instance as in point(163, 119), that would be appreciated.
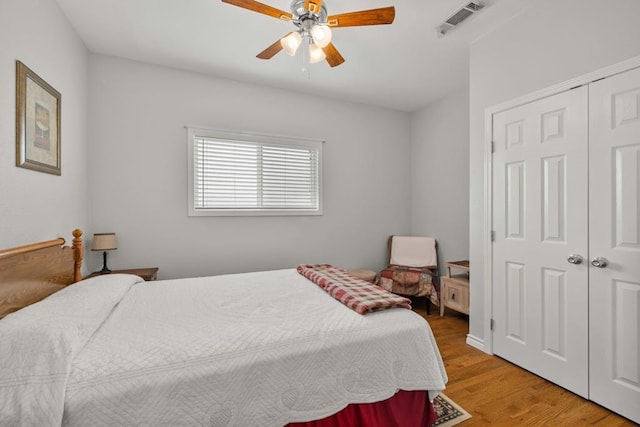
point(37, 206)
point(138, 178)
point(546, 45)
point(440, 175)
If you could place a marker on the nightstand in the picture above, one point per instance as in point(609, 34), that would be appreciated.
point(454, 289)
point(148, 274)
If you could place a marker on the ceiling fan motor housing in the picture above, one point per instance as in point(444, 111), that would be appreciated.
point(300, 14)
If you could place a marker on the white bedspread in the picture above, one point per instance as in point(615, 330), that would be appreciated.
point(255, 349)
point(38, 343)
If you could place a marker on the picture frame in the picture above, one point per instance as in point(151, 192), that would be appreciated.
point(38, 107)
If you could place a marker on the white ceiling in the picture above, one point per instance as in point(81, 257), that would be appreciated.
point(402, 66)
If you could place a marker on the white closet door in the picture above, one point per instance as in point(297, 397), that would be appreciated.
point(614, 233)
point(540, 300)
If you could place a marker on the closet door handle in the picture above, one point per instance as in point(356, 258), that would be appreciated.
point(575, 259)
point(599, 262)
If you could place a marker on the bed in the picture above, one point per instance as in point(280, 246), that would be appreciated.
point(253, 349)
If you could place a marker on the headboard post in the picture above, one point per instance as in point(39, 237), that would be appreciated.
point(78, 251)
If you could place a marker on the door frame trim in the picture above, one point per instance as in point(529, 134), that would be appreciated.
point(486, 345)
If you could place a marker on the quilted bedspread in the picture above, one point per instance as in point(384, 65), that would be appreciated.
point(254, 349)
point(410, 281)
point(39, 342)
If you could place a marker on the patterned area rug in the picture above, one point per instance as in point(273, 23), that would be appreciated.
point(448, 413)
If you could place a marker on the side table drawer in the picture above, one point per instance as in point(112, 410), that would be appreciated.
point(455, 295)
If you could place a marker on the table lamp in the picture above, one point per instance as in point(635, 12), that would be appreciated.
point(104, 242)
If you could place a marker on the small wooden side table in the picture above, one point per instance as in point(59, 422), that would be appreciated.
point(148, 274)
point(454, 290)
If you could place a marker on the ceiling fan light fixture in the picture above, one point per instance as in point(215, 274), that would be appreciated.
point(321, 35)
point(313, 27)
point(291, 42)
point(316, 54)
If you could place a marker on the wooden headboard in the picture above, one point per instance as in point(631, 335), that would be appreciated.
point(33, 272)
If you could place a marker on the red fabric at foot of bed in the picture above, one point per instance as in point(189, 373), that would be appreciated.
point(404, 409)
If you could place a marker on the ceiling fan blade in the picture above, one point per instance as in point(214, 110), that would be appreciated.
point(333, 56)
point(261, 8)
point(272, 50)
point(384, 15)
point(313, 5)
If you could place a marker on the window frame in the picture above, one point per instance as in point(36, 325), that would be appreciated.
point(249, 137)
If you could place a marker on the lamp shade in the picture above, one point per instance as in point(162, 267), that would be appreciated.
point(316, 54)
point(321, 35)
point(290, 43)
point(104, 242)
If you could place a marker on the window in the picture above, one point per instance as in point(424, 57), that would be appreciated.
point(248, 174)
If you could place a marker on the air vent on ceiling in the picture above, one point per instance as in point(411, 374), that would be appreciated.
point(468, 9)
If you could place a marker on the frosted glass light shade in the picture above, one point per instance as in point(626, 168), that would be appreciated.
point(316, 54)
point(321, 35)
point(290, 43)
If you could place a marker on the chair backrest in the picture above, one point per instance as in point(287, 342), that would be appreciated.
point(413, 251)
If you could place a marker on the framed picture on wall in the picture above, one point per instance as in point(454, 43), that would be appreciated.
point(37, 122)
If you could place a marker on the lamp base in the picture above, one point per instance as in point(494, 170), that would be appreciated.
point(104, 263)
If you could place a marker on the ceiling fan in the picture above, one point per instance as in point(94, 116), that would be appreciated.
point(313, 26)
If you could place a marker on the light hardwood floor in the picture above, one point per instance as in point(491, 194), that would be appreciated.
point(498, 393)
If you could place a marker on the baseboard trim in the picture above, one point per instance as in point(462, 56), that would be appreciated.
point(476, 343)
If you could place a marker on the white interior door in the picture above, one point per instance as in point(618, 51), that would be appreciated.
point(540, 300)
point(614, 233)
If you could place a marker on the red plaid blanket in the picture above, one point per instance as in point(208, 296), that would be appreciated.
point(357, 294)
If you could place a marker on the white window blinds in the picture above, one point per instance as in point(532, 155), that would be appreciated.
point(242, 174)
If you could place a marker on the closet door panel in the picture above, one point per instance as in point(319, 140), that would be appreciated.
point(539, 206)
point(614, 236)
